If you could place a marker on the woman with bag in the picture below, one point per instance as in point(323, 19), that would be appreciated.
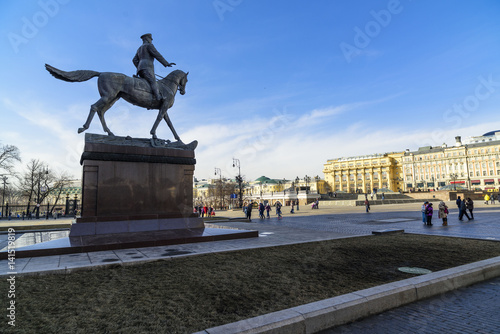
point(443, 213)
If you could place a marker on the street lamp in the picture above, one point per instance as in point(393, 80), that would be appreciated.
point(454, 177)
point(4, 179)
point(236, 163)
point(307, 179)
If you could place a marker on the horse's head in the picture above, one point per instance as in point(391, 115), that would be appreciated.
point(182, 84)
point(179, 78)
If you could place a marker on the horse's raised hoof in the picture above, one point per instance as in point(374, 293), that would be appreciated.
point(80, 130)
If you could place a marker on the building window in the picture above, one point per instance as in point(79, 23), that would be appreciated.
point(484, 173)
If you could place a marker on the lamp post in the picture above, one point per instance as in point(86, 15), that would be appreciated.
point(218, 171)
point(307, 179)
point(236, 163)
point(454, 177)
point(45, 171)
point(4, 180)
point(297, 190)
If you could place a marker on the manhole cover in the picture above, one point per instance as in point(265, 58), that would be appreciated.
point(415, 270)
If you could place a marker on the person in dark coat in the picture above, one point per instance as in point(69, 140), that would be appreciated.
point(459, 205)
point(469, 204)
point(463, 211)
point(249, 211)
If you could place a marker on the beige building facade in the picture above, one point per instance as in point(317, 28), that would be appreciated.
point(474, 165)
point(364, 174)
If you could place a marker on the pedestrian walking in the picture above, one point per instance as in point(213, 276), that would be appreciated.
point(463, 211)
point(367, 205)
point(428, 213)
point(459, 205)
point(249, 211)
point(278, 209)
point(261, 210)
point(268, 208)
point(424, 207)
point(469, 205)
point(443, 213)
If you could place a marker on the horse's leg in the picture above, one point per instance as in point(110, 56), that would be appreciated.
point(167, 119)
point(89, 119)
point(108, 103)
point(157, 122)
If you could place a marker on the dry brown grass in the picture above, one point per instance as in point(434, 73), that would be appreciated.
point(189, 294)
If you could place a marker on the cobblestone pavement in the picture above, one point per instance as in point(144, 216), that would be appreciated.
point(469, 310)
point(486, 224)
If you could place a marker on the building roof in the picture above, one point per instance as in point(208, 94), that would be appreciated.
point(491, 133)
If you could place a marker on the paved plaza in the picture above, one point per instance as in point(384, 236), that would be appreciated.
point(461, 311)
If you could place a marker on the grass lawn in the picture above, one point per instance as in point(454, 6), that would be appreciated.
point(188, 294)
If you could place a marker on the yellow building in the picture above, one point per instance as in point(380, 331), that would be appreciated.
point(473, 165)
point(363, 174)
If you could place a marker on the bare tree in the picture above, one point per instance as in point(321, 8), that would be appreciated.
point(9, 154)
point(35, 183)
point(62, 181)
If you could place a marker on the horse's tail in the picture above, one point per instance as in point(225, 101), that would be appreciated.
point(73, 76)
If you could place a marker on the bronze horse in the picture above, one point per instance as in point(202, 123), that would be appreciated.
point(113, 86)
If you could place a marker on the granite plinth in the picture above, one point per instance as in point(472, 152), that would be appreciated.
point(90, 243)
point(129, 186)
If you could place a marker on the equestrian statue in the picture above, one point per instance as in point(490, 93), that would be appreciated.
point(141, 90)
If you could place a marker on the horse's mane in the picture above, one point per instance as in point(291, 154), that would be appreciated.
point(175, 75)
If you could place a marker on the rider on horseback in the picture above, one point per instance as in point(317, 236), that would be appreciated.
point(144, 61)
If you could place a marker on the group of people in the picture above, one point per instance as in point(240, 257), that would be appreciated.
point(204, 211)
point(463, 206)
point(492, 198)
point(262, 208)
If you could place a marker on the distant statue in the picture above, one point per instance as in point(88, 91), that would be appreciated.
point(113, 86)
point(144, 62)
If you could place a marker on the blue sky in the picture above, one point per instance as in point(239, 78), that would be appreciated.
point(281, 85)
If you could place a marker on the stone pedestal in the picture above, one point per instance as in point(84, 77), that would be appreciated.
point(129, 186)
